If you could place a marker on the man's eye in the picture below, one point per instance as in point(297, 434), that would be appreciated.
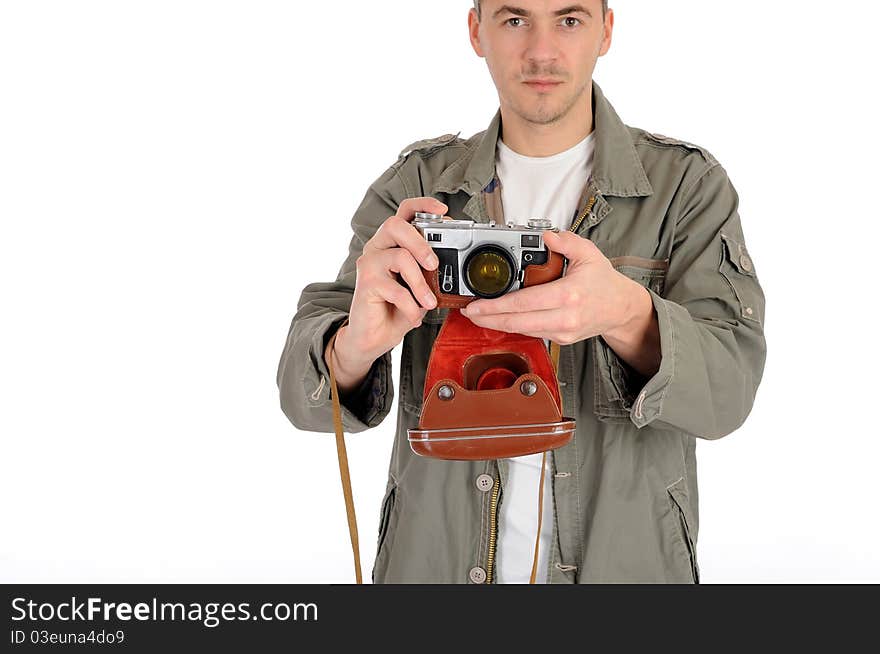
point(571, 22)
point(509, 21)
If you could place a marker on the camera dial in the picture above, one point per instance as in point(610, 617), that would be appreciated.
point(540, 223)
point(429, 217)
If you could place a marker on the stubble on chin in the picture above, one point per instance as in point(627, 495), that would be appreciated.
point(547, 110)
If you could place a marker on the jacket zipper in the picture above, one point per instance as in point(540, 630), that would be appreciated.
point(493, 529)
point(493, 503)
point(589, 207)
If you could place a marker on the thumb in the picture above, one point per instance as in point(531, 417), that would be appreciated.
point(573, 247)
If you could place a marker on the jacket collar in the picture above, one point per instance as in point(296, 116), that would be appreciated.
point(617, 168)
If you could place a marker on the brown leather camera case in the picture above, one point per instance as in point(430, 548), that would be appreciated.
point(463, 419)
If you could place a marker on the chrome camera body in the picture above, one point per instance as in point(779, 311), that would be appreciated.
point(484, 260)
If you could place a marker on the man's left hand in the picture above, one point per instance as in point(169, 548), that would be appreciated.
point(591, 299)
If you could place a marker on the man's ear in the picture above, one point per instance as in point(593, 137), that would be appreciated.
point(609, 28)
point(474, 31)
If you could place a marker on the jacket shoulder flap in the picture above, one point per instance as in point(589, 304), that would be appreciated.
point(673, 142)
point(426, 147)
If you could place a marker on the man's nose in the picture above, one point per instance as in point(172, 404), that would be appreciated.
point(542, 45)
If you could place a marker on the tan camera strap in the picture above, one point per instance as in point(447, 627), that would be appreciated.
point(346, 477)
point(554, 357)
point(343, 465)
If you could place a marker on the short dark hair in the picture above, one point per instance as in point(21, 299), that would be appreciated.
point(604, 7)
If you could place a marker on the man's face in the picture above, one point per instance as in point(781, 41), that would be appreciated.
point(541, 53)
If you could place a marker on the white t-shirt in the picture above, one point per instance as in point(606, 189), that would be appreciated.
point(534, 187)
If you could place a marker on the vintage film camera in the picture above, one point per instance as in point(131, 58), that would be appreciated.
point(486, 260)
point(487, 394)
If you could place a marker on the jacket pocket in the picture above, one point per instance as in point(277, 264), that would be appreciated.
point(680, 506)
point(738, 269)
point(614, 383)
point(386, 535)
point(650, 273)
point(385, 516)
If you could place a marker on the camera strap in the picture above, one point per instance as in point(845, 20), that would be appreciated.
point(343, 464)
point(554, 357)
point(346, 477)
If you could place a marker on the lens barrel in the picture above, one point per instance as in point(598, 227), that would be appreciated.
point(489, 271)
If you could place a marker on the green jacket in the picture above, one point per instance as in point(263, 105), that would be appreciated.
point(625, 487)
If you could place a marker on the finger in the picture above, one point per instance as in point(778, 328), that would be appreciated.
point(397, 233)
point(412, 240)
point(401, 261)
point(533, 298)
point(571, 246)
point(533, 323)
point(394, 293)
point(407, 209)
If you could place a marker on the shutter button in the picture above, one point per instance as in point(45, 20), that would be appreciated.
point(485, 483)
point(477, 575)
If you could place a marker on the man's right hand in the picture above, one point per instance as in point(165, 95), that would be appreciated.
point(382, 309)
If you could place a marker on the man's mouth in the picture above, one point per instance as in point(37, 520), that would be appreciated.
point(543, 84)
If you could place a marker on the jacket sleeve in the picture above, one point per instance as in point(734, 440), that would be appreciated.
point(303, 377)
point(711, 318)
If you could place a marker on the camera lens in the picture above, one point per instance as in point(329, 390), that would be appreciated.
point(489, 271)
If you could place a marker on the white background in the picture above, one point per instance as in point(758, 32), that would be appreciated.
point(173, 173)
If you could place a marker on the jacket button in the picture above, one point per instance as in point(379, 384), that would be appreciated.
point(746, 263)
point(477, 575)
point(485, 483)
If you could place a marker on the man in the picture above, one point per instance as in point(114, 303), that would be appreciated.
point(659, 317)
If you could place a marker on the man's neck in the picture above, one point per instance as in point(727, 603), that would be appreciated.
point(533, 140)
